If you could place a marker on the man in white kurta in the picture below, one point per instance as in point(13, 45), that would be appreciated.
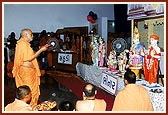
point(18, 105)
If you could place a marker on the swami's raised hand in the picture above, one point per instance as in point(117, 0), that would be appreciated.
point(45, 47)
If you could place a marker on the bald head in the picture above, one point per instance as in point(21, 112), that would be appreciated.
point(89, 90)
point(25, 31)
point(27, 34)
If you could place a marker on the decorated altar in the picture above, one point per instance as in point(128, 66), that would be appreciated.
point(93, 74)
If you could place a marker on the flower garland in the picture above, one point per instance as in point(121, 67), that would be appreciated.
point(149, 63)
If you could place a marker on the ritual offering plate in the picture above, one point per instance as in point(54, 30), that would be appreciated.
point(54, 43)
point(46, 106)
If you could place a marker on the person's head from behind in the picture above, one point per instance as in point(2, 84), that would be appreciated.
point(27, 34)
point(129, 77)
point(24, 93)
point(66, 105)
point(89, 91)
point(12, 35)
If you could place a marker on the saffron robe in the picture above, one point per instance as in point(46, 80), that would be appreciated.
point(26, 75)
point(132, 98)
point(151, 65)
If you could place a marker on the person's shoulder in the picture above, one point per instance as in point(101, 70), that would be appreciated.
point(21, 40)
point(84, 102)
point(8, 106)
point(157, 48)
point(101, 100)
point(122, 90)
point(82, 105)
point(27, 108)
point(79, 102)
point(100, 105)
point(141, 87)
point(120, 93)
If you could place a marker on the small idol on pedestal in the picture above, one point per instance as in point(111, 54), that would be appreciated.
point(122, 61)
point(95, 51)
point(102, 52)
point(112, 61)
point(136, 54)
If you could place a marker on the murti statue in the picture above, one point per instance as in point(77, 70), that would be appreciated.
point(151, 60)
point(136, 53)
point(102, 52)
point(112, 60)
point(95, 51)
point(122, 61)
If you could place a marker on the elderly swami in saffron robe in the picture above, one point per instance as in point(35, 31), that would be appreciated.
point(26, 69)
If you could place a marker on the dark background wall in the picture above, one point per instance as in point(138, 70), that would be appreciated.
point(121, 22)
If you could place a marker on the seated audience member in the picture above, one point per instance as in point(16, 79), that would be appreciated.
point(22, 100)
point(89, 102)
point(133, 97)
point(66, 105)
